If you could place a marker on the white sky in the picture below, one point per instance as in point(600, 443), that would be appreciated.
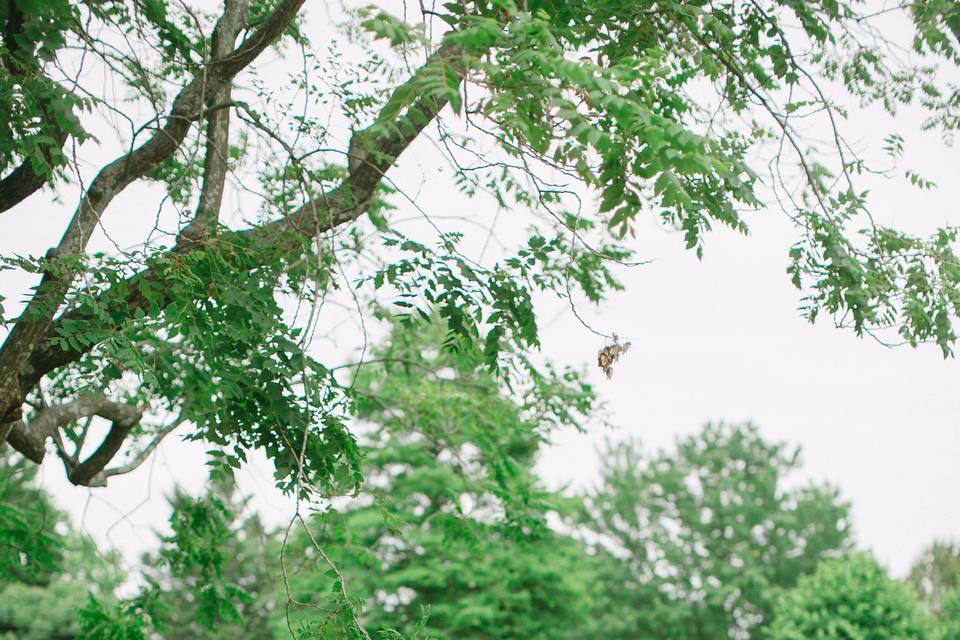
point(719, 339)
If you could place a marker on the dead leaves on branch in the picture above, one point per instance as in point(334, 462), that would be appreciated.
point(610, 354)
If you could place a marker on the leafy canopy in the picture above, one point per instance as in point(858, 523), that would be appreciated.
point(698, 542)
point(852, 598)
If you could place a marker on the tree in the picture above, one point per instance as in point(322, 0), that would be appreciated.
point(849, 598)
point(30, 543)
point(948, 618)
point(449, 540)
point(935, 576)
point(50, 611)
point(199, 320)
point(47, 569)
point(935, 573)
point(698, 543)
point(226, 588)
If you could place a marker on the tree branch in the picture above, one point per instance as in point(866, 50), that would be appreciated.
point(188, 106)
point(216, 165)
point(87, 473)
point(31, 440)
point(145, 453)
point(331, 209)
point(371, 153)
point(380, 147)
point(24, 180)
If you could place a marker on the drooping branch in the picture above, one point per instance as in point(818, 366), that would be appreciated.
point(189, 105)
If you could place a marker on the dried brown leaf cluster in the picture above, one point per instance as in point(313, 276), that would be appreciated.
point(610, 354)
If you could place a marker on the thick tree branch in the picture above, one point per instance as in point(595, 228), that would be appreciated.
point(88, 473)
point(30, 440)
point(189, 105)
point(328, 211)
point(216, 161)
point(371, 153)
point(380, 147)
point(30, 443)
point(24, 180)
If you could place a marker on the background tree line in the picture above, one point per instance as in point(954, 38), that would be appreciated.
point(454, 536)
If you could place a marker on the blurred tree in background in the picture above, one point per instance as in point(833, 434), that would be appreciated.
point(243, 545)
point(449, 539)
point(31, 527)
point(48, 570)
point(948, 618)
point(935, 576)
point(851, 598)
point(936, 573)
point(428, 549)
point(699, 542)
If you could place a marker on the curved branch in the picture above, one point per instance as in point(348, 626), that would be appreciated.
point(31, 440)
point(371, 153)
point(87, 473)
point(145, 453)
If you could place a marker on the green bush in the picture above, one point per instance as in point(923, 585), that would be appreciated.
point(850, 599)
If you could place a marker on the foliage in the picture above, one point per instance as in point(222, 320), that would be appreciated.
point(449, 538)
point(59, 602)
point(127, 620)
point(935, 573)
point(47, 566)
point(30, 544)
point(935, 576)
point(698, 543)
point(36, 113)
point(212, 318)
point(849, 598)
point(208, 320)
point(948, 618)
point(53, 611)
point(215, 584)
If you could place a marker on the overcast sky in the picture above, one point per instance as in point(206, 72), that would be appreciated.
point(717, 339)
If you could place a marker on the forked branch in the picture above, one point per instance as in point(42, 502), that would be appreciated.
point(190, 105)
